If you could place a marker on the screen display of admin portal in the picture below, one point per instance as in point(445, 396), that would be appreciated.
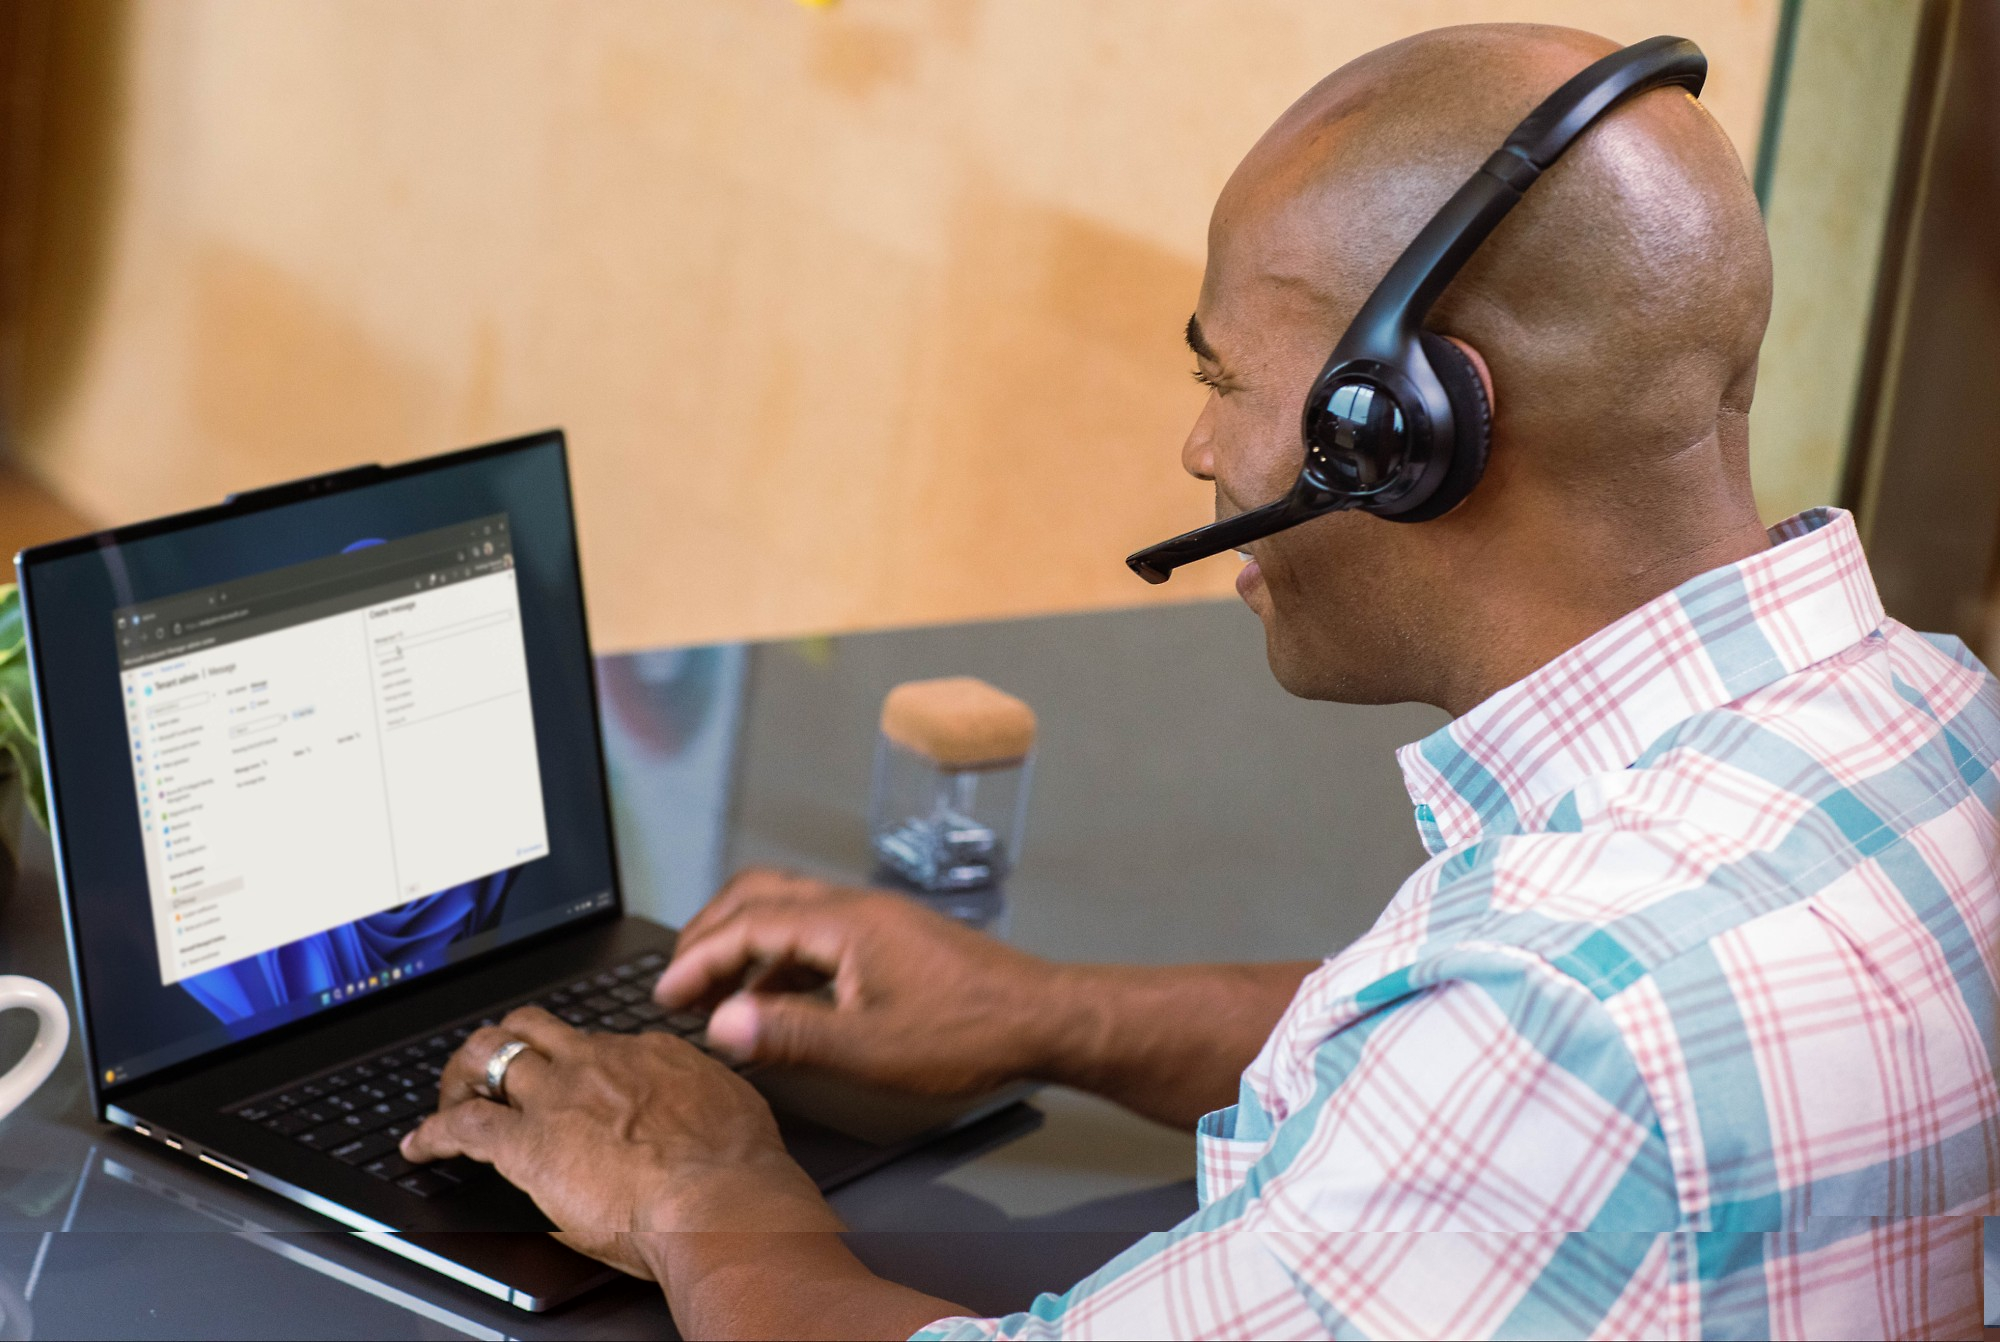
point(323, 742)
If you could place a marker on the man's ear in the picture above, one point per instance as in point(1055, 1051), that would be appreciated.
point(1479, 367)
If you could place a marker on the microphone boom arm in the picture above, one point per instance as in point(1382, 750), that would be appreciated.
point(1156, 563)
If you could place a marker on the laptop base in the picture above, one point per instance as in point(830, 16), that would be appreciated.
point(490, 1236)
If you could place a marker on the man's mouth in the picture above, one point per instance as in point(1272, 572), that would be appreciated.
point(1249, 576)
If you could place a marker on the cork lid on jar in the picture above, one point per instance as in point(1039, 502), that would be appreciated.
point(961, 722)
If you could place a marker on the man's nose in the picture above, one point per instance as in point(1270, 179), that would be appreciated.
point(1198, 452)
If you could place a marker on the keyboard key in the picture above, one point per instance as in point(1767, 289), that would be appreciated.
point(460, 1033)
point(400, 1106)
point(361, 1121)
point(650, 960)
point(311, 1091)
point(256, 1113)
point(602, 1003)
point(438, 1044)
point(425, 1183)
point(687, 1022)
point(555, 1001)
point(287, 1100)
point(606, 980)
point(433, 1070)
point(391, 1166)
point(362, 1071)
point(626, 971)
point(620, 1022)
point(576, 1016)
point(629, 994)
point(337, 1080)
point(293, 1122)
point(581, 988)
point(646, 1011)
point(327, 1137)
point(364, 1149)
point(341, 1103)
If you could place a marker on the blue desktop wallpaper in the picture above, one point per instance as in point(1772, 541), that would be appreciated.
point(300, 971)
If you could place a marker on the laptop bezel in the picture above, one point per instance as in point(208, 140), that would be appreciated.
point(244, 505)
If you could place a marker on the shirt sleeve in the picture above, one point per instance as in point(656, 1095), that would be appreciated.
point(1495, 1120)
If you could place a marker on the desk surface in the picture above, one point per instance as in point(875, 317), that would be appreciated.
point(1183, 808)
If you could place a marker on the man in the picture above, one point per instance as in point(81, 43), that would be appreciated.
point(1692, 1009)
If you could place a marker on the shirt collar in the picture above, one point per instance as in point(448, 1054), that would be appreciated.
point(1595, 708)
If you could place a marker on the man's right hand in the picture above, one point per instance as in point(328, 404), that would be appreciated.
point(862, 982)
point(878, 987)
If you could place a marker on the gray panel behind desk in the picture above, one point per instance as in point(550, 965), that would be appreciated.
point(1184, 807)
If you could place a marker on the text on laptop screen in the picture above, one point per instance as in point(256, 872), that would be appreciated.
point(329, 741)
point(304, 751)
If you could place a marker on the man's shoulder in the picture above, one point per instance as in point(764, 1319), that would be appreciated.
point(1877, 766)
point(1883, 713)
point(1867, 778)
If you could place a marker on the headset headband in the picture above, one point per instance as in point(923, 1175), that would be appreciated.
point(1386, 328)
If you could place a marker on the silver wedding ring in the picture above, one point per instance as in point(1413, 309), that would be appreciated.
point(497, 1065)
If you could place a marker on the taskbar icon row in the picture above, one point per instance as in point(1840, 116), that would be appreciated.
point(394, 974)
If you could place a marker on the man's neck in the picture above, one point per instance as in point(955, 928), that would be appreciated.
point(1528, 608)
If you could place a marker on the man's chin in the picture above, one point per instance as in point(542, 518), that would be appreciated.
point(1304, 676)
point(1296, 675)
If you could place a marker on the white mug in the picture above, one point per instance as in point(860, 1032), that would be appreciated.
point(51, 1038)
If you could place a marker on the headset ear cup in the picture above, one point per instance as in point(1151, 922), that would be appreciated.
point(1472, 420)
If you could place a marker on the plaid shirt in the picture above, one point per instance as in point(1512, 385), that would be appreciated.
point(1686, 1028)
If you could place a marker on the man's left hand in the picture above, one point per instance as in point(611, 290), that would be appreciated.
point(617, 1136)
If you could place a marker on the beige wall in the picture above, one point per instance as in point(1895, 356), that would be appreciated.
point(856, 316)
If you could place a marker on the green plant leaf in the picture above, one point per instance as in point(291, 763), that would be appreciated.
point(13, 634)
point(18, 736)
point(28, 764)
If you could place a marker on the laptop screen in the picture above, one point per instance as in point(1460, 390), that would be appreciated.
point(302, 753)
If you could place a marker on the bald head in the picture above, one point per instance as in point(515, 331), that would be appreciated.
point(1617, 311)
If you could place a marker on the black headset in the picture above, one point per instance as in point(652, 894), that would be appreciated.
point(1397, 423)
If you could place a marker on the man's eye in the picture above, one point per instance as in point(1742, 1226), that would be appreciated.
point(1211, 383)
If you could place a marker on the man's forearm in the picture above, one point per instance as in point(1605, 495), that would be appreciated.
point(784, 1283)
point(1169, 1043)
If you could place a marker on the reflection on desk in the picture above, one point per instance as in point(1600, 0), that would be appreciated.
point(167, 1268)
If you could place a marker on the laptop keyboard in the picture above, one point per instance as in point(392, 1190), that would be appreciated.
point(356, 1113)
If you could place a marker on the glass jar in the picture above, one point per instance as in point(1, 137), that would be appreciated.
point(950, 793)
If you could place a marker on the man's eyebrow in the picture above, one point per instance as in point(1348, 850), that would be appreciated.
point(1198, 342)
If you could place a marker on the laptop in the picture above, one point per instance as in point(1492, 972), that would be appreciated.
point(327, 794)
